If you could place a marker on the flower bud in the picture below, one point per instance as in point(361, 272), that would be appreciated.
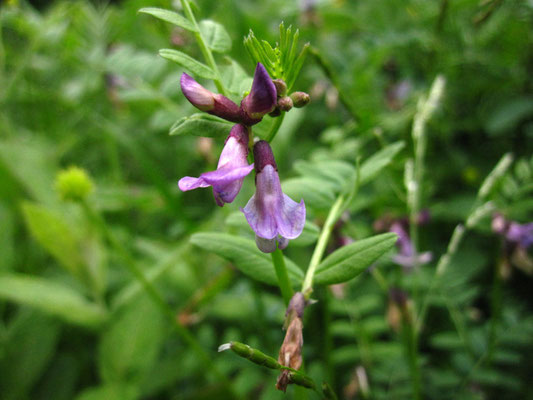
point(205, 100)
point(73, 184)
point(285, 103)
point(300, 99)
point(281, 87)
point(262, 97)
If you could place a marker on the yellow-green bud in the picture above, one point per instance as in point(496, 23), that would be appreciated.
point(73, 184)
point(300, 99)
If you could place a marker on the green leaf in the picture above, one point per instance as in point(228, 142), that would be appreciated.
point(113, 391)
point(29, 344)
point(349, 261)
point(246, 256)
point(187, 62)
point(215, 36)
point(130, 345)
point(170, 16)
point(52, 298)
point(508, 115)
point(316, 192)
point(375, 164)
point(58, 238)
point(201, 125)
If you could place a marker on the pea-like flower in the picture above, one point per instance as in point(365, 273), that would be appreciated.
point(406, 256)
point(231, 170)
point(273, 216)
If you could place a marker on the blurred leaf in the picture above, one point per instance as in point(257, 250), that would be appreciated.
point(315, 192)
point(508, 115)
point(131, 343)
point(373, 166)
point(201, 125)
point(30, 163)
point(114, 391)
point(349, 261)
point(30, 344)
point(246, 256)
point(52, 298)
point(215, 36)
point(189, 63)
point(235, 78)
point(58, 238)
point(7, 242)
point(170, 16)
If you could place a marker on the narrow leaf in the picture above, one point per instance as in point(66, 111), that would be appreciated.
point(187, 62)
point(246, 256)
point(373, 166)
point(52, 298)
point(349, 261)
point(201, 125)
point(170, 16)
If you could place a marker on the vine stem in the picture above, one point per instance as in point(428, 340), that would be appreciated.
point(283, 276)
point(334, 212)
point(208, 55)
point(156, 297)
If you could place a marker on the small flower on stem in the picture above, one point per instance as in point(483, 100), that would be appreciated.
point(272, 215)
point(231, 170)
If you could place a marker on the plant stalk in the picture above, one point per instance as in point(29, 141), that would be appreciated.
point(283, 276)
point(206, 51)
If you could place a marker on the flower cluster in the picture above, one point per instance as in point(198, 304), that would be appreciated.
point(274, 217)
point(518, 238)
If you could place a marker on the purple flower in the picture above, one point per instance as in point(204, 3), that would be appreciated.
point(522, 234)
point(231, 170)
point(406, 256)
point(273, 215)
point(262, 98)
point(208, 101)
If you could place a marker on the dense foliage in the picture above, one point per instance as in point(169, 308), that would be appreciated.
point(116, 285)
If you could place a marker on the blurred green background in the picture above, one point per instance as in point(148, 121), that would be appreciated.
point(81, 84)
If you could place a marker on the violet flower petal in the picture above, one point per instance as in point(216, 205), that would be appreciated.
point(291, 219)
point(262, 97)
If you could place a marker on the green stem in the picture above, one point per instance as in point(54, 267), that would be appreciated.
point(275, 128)
point(283, 276)
point(208, 55)
point(411, 346)
point(131, 265)
point(334, 212)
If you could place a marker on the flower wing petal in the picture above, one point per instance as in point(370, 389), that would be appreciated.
point(261, 221)
point(189, 183)
point(291, 219)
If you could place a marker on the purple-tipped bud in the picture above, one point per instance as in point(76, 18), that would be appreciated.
point(205, 100)
point(273, 216)
point(522, 234)
point(285, 103)
point(300, 99)
point(231, 170)
point(262, 97)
